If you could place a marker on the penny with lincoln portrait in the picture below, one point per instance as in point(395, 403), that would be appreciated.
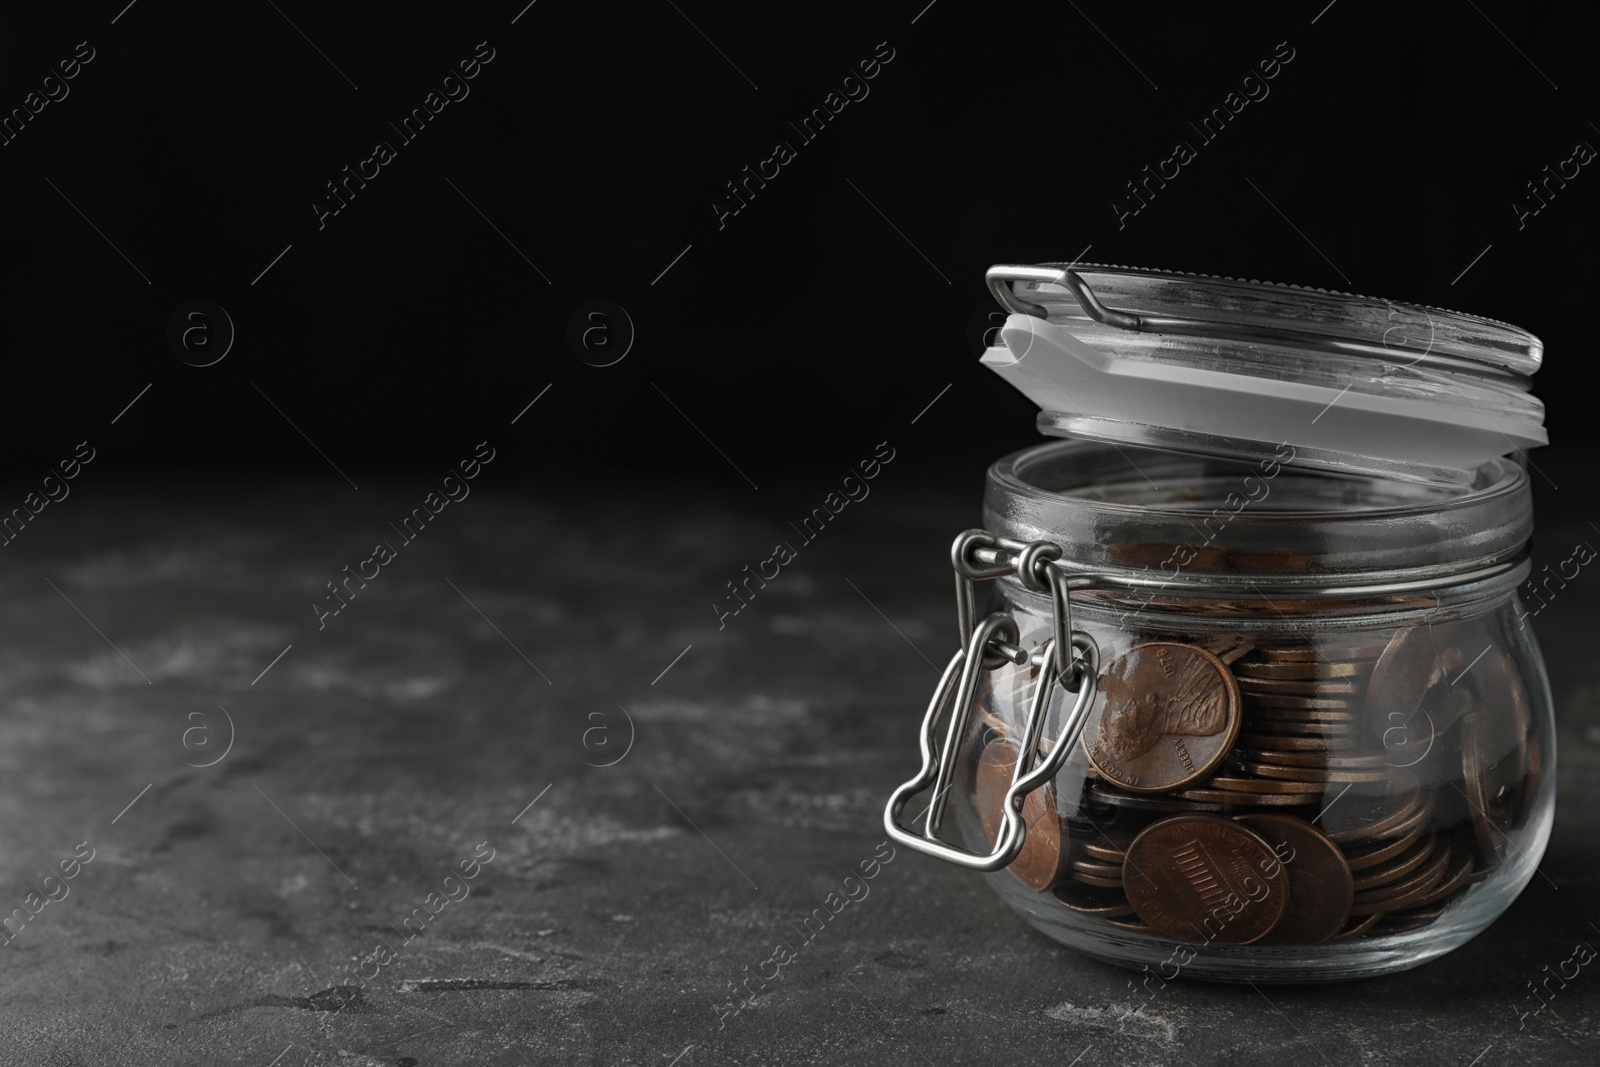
point(1170, 715)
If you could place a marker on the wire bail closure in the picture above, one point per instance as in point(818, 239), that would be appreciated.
point(1071, 658)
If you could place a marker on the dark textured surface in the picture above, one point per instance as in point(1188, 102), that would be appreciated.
point(609, 927)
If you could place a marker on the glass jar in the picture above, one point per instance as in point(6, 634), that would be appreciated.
point(1304, 732)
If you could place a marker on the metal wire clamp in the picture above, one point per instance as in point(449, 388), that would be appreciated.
point(985, 647)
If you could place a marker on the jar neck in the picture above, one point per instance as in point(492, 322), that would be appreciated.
point(1161, 524)
point(1252, 603)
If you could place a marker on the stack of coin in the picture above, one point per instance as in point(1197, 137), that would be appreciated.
point(1245, 789)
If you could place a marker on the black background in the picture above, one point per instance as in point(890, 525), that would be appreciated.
point(807, 328)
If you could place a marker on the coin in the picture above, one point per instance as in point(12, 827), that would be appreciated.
point(1456, 877)
point(1532, 770)
point(1403, 674)
point(1097, 880)
point(1257, 785)
point(1299, 671)
point(991, 779)
point(1140, 802)
point(1234, 799)
point(1402, 865)
point(1227, 647)
point(1371, 855)
point(1110, 848)
point(1327, 653)
point(1093, 900)
point(1406, 893)
point(1296, 687)
point(1312, 774)
point(1321, 889)
point(1356, 813)
point(1417, 818)
point(1307, 703)
point(1171, 714)
point(1044, 847)
point(1313, 759)
point(1290, 728)
point(1270, 743)
point(1491, 810)
point(1270, 717)
point(1360, 814)
point(1359, 925)
point(1204, 878)
point(1103, 872)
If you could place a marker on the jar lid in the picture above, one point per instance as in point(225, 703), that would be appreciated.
point(1247, 369)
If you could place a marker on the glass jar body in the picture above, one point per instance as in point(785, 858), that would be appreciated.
point(1390, 758)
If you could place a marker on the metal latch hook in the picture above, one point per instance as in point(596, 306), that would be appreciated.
point(938, 764)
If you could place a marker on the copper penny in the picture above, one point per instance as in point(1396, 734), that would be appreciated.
point(1140, 802)
point(1272, 716)
point(1321, 889)
point(1044, 848)
point(1093, 900)
point(1372, 855)
point(1204, 878)
point(1357, 814)
point(1171, 714)
point(1401, 866)
point(1312, 759)
point(1111, 872)
point(1400, 827)
point(1306, 703)
point(1491, 809)
point(1112, 847)
point(1257, 785)
point(1096, 880)
point(1358, 925)
point(1404, 673)
point(1296, 687)
point(1270, 743)
point(1406, 893)
point(1314, 775)
point(1457, 877)
point(991, 779)
point(1327, 653)
point(1228, 798)
point(1228, 647)
point(1503, 698)
point(1293, 671)
point(1289, 728)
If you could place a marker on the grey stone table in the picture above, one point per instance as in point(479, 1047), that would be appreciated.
point(281, 805)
